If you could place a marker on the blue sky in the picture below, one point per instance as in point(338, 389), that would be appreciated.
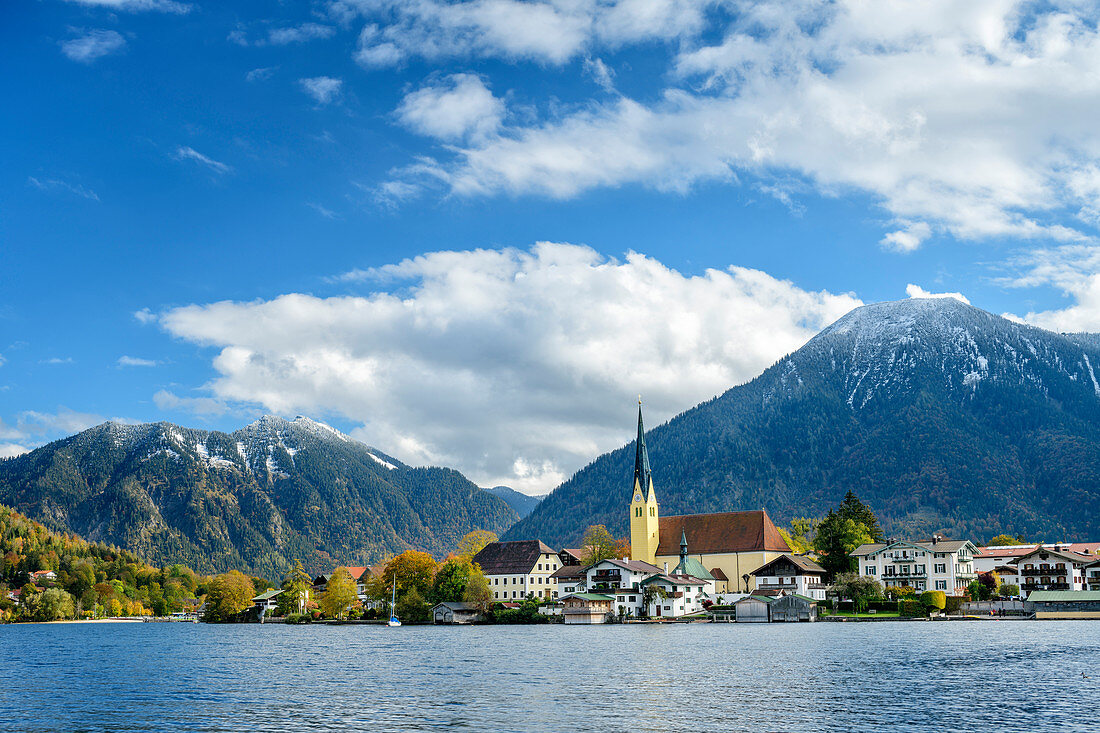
point(211, 211)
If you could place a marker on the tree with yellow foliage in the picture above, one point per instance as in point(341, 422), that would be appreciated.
point(340, 593)
point(474, 542)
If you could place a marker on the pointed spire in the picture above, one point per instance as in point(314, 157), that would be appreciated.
point(642, 474)
point(683, 545)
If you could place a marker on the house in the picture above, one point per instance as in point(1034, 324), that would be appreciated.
point(753, 609)
point(266, 601)
point(677, 595)
point(794, 607)
point(792, 574)
point(999, 559)
point(586, 608)
point(40, 575)
point(734, 542)
point(455, 612)
point(934, 564)
point(622, 580)
point(518, 568)
point(1054, 568)
point(569, 579)
point(1065, 604)
point(360, 575)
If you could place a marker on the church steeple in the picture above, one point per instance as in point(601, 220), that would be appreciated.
point(683, 546)
point(644, 512)
point(643, 477)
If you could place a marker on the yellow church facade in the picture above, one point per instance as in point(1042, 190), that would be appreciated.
point(729, 544)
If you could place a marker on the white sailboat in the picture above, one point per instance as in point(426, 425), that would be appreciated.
point(394, 621)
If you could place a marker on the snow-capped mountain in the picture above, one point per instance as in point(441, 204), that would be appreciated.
point(256, 498)
point(942, 416)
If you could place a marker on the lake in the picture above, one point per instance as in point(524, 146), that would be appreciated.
point(980, 676)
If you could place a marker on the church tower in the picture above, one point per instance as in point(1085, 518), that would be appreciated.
point(643, 504)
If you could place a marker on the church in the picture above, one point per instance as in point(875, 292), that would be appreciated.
point(728, 545)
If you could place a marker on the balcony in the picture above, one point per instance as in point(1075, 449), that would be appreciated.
point(606, 576)
point(1045, 586)
point(1044, 570)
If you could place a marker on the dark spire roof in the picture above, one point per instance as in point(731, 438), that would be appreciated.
point(642, 474)
point(683, 543)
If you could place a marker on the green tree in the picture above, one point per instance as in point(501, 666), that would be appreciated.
point(339, 595)
point(1010, 590)
point(52, 604)
point(477, 589)
point(297, 587)
point(800, 535)
point(860, 589)
point(227, 596)
point(450, 581)
point(474, 542)
point(854, 509)
point(979, 591)
point(837, 536)
point(1005, 540)
point(598, 544)
point(411, 608)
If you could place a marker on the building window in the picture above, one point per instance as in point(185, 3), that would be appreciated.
point(941, 585)
point(871, 569)
point(652, 511)
point(940, 568)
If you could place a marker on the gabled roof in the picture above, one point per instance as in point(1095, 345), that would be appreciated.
point(517, 557)
point(709, 534)
point(588, 597)
point(926, 545)
point(637, 566)
point(356, 572)
point(673, 580)
point(717, 574)
point(568, 572)
point(764, 599)
point(456, 606)
point(1074, 557)
point(267, 594)
point(576, 553)
point(803, 563)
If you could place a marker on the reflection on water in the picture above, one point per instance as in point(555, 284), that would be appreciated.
point(986, 676)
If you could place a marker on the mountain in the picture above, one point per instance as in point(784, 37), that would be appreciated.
point(521, 504)
point(941, 416)
point(254, 500)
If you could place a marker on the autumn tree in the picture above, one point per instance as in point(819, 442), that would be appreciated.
point(52, 604)
point(412, 609)
point(799, 535)
point(1006, 540)
point(228, 595)
point(598, 544)
point(412, 569)
point(340, 593)
point(477, 589)
point(474, 542)
point(860, 589)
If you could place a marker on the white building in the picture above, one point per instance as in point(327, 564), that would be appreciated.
point(1001, 559)
point(1053, 569)
point(935, 564)
point(517, 569)
point(791, 574)
point(622, 580)
point(675, 595)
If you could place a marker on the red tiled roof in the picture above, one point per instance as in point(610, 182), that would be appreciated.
point(356, 572)
point(709, 534)
point(717, 574)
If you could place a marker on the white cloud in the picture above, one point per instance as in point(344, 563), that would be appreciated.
point(54, 360)
point(323, 89)
point(299, 33)
point(163, 6)
point(975, 120)
point(544, 31)
point(205, 406)
point(261, 74)
point(134, 361)
point(56, 184)
point(53, 424)
point(145, 316)
point(93, 45)
point(453, 108)
point(916, 291)
point(1072, 269)
point(323, 211)
point(10, 450)
point(189, 153)
point(601, 73)
point(514, 366)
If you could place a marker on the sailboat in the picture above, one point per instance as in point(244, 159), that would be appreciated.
point(394, 621)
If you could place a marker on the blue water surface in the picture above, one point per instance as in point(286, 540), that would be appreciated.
point(973, 676)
